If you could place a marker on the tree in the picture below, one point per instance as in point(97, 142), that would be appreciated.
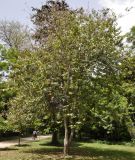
point(15, 35)
point(80, 49)
point(21, 118)
point(5, 93)
point(131, 37)
point(127, 78)
point(44, 18)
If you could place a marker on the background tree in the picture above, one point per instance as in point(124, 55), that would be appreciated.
point(131, 37)
point(15, 35)
point(128, 78)
point(44, 18)
point(128, 87)
point(8, 57)
point(21, 118)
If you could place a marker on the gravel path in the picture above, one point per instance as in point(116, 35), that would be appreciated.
point(6, 144)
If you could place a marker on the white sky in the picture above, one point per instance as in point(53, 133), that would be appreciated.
point(20, 10)
point(119, 6)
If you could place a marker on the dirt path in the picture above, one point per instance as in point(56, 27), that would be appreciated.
point(6, 144)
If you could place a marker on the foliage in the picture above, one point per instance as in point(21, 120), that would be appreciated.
point(7, 58)
point(44, 18)
point(131, 37)
point(74, 73)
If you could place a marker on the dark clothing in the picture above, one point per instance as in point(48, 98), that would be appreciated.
point(34, 135)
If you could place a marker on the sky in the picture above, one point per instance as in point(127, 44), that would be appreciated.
point(20, 10)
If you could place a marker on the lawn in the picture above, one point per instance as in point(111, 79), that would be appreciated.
point(40, 150)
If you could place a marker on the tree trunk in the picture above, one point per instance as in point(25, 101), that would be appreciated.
point(55, 138)
point(71, 136)
point(19, 140)
point(55, 131)
point(66, 138)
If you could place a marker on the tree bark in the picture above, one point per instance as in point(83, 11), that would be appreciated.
point(55, 138)
point(55, 131)
point(66, 138)
point(71, 136)
point(19, 140)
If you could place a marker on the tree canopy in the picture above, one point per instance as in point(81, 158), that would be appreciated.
point(76, 71)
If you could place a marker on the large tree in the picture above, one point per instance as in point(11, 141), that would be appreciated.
point(80, 49)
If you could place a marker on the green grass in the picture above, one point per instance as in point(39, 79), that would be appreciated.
point(40, 150)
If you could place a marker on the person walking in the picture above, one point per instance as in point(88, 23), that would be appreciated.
point(34, 134)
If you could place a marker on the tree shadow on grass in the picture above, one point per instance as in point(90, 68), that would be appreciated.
point(8, 149)
point(50, 144)
point(22, 145)
point(102, 154)
point(48, 150)
point(90, 152)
